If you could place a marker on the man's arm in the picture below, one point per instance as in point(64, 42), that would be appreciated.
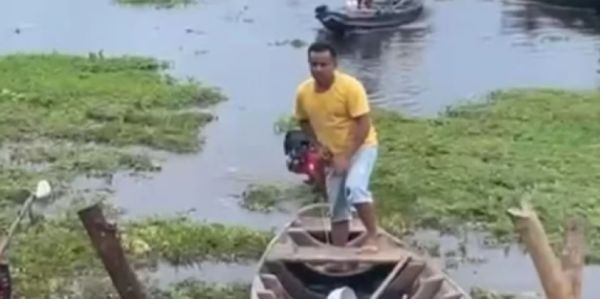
point(308, 130)
point(358, 107)
point(302, 119)
point(360, 131)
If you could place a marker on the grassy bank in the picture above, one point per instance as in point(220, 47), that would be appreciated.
point(51, 256)
point(93, 287)
point(472, 163)
point(192, 289)
point(64, 116)
point(267, 198)
point(117, 101)
point(476, 161)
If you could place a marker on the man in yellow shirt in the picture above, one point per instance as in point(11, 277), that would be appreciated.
point(333, 109)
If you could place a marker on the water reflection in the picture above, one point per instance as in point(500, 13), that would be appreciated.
point(366, 54)
point(445, 57)
point(363, 53)
point(472, 262)
point(530, 17)
point(460, 48)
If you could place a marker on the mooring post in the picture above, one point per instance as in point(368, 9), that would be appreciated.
point(104, 239)
point(547, 265)
point(573, 254)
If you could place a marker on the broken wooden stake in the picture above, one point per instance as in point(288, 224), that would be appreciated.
point(573, 257)
point(104, 239)
point(558, 282)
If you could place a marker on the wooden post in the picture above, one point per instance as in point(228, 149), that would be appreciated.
point(573, 255)
point(547, 265)
point(104, 238)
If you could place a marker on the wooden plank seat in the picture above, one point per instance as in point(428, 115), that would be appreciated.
point(265, 294)
point(453, 296)
point(272, 283)
point(428, 287)
point(317, 224)
point(305, 254)
point(302, 238)
point(403, 282)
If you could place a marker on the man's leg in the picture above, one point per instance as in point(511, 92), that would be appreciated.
point(340, 230)
point(341, 213)
point(366, 212)
point(358, 193)
point(340, 209)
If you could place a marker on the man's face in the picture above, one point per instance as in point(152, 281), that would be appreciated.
point(322, 66)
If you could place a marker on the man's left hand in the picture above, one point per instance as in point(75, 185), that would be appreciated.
point(341, 163)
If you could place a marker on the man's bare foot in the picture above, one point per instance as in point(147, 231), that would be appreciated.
point(370, 246)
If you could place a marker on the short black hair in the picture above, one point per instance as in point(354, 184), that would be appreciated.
point(321, 47)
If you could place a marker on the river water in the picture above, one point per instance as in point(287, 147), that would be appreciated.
point(459, 50)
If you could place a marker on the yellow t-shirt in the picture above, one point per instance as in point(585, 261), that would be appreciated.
point(330, 113)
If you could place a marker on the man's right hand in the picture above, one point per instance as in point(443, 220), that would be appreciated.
point(324, 152)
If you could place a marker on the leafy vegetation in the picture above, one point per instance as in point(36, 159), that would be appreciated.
point(51, 255)
point(193, 289)
point(285, 123)
point(476, 161)
point(116, 101)
point(469, 165)
point(182, 241)
point(266, 198)
point(64, 116)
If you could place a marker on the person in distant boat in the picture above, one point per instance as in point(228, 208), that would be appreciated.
point(359, 3)
point(333, 109)
point(367, 3)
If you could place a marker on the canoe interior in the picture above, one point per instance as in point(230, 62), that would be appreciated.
point(364, 282)
point(294, 266)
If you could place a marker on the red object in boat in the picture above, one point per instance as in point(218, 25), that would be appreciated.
point(303, 157)
point(312, 164)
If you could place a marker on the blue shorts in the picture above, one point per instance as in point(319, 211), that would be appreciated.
point(346, 190)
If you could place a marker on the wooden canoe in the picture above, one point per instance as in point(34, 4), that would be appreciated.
point(293, 265)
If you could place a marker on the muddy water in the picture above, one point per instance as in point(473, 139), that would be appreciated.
point(472, 262)
point(457, 51)
point(240, 47)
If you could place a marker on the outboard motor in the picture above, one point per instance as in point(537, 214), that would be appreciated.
point(295, 145)
point(303, 157)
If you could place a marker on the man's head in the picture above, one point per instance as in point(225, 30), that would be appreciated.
point(322, 59)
